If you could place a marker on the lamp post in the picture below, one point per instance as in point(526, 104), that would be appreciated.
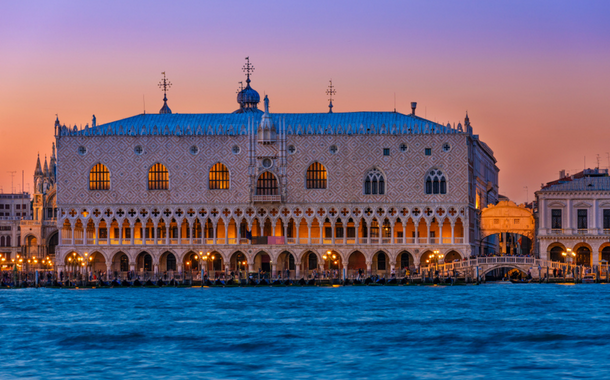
point(568, 256)
point(331, 258)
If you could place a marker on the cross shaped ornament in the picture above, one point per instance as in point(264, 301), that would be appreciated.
point(273, 212)
point(285, 212)
point(309, 212)
point(96, 213)
point(298, 212)
point(250, 212)
point(226, 212)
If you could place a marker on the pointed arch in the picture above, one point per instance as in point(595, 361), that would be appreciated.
point(316, 176)
point(219, 178)
point(374, 182)
point(158, 177)
point(436, 183)
point(267, 184)
point(99, 177)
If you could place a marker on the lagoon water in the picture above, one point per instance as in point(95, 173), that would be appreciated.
point(527, 331)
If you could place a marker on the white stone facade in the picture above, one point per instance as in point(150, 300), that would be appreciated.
point(128, 221)
point(574, 213)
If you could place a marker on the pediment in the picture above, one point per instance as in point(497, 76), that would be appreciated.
point(556, 204)
point(583, 205)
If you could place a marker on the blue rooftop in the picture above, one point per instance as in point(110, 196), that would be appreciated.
point(347, 123)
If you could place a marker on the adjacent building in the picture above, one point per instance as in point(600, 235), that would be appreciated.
point(574, 214)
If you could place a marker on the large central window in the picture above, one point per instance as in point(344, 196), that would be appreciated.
point(219, 177)
point(266, 184)
point(556, 218)
point(158, 177)
point(99, 178)
point(316, 176)
point(374, 183)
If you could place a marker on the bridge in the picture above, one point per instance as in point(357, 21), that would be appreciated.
point(538, 268)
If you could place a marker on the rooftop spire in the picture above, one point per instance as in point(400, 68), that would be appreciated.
point(164, 85)
point(248, 68)
point(46, 167)
point(330, 92)
point(38, 170)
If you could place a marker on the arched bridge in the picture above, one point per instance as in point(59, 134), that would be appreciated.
point(487, 264)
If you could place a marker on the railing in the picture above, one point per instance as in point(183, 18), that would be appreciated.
point(363, 240)
point(386, 240)
point(244, 241)
point(398, 241)
point(459, 240)
point(327, 241)
point(291, 240)
point(432, 240)
point(410, 240)
point(266, 198)
point(582, 231)
point(374, 240)
point(606, 231)
point(421, 240)
point(557, 231)
point(446, 240)
point(102, 241)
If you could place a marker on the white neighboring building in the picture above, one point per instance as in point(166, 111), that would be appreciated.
point(574, 213)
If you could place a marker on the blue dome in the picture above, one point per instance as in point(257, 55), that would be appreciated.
point(248, 95)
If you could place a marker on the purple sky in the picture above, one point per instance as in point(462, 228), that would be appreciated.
point(533, 75)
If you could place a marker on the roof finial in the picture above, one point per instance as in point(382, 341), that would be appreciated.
point(164, 85)
point(266, 104)
point(248, 68)
point(330, 92)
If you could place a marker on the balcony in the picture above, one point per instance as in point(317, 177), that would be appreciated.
point(267, 198)
point(582, 231)
point(557, 231)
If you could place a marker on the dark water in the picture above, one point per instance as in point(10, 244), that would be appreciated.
point(467, 332)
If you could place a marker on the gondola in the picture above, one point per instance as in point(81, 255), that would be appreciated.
point(126, 284)
point(302, 282)
point(251, 282)
point(392, 281)
point(137, 282)
point(380, 281)
point(263, 282)
point(219, 282)
point(207, 282)
point(368, 281)
point(311, 282)
point(159, 283)
point(173, 282)
point(287, 282)
point(276, 283)
point(404, 281)
point(115, 283)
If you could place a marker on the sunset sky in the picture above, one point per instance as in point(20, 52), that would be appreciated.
point(534, 76)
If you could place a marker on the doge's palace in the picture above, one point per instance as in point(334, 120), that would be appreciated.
point(267, 191)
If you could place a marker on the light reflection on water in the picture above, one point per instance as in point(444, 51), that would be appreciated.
point(462, 332)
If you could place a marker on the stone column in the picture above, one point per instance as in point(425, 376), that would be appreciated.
point(452, 233)
point(250, 266)
point(357, 228)
point(440, 232)
point(109, 273)
point(120, 232)
point(345, 233)
point(72, 225)
point(167, 233)
point(214, 232)
point(273, 269)
point(332, 232)
point(227, 233)
point(97, 233)
point(309, 232)
point(191, 228)
point(428, 232)
point(392, 225)
point(297, 268)
point(132, 227)
point(369, 268)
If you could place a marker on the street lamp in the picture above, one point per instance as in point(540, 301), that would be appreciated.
point(331, 258)
point(568, 256)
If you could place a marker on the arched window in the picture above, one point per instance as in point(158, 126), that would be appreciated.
point(374, 183)
point(219, 177)
point(266, 184)
point(158, 177)
point(316, 176)
point(147, 262)
point(99, 178)
point(312, 261)
point(436, 182)
point(381, 261)
point(8, 241)
point(1, 241)
point(124, 263)
point(171, 261)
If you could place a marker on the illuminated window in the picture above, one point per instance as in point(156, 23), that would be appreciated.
point(99, 178)
point(436, 182)
point(219, 177)
point(266, 184)
point(374, 183)
point(158, 177)
point(316, 176)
